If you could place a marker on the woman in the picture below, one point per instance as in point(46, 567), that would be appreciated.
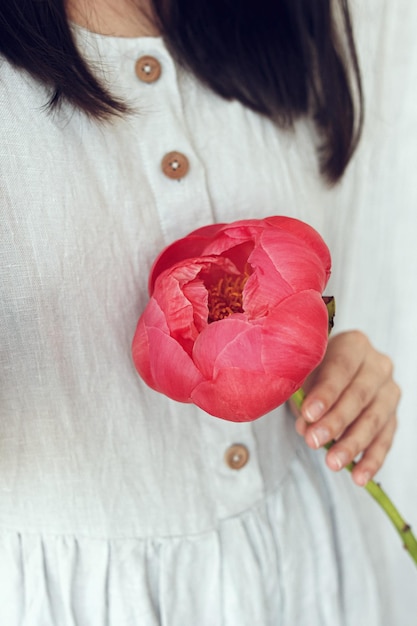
point(118, 505)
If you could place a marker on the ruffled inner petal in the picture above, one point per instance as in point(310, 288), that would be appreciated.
point(196, 293)
point(182, 297)
point(266, 287)
point(188, 247)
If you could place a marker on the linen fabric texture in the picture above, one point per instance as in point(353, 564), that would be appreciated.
point(116, 504)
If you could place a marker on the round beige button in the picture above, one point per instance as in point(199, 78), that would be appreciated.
point(148, 69)
point(237, 456)
point(175, 165)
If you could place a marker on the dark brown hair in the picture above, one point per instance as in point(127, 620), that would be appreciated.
point(282, 59)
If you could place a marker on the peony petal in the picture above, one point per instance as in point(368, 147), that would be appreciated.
point(306, 233)
point(182, 296)
point(152, 316)
point(205, 232)
point(219, 238)
point(189, 269)
point(178, 310)
point(235, 235)
point(297, 263)
point(294, 336)
point(239, 395)
point(163, 364)
point(196, 293)
point(265, 287)
point(188, 247)
point(140, 352)
point(232, 342)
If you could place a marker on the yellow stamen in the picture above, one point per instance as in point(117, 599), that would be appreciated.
point(226, 297)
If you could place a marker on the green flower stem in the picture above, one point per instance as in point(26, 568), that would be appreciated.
point(403, 529)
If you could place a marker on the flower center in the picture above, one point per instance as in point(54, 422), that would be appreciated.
point(225, 296)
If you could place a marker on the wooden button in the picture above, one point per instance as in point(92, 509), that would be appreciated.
point(237, 456)
point(175, 165)
point(148, 69)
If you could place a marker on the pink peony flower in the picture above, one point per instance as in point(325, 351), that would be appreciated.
point(235, 320)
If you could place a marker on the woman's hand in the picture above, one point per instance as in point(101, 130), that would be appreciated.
point(351, 398)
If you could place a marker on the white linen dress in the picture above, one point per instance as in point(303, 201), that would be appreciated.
point(117, 505)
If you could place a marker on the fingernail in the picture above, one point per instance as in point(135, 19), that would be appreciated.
point(338, 459)
point(314, 411)
point(320, 436)
point(363, 478)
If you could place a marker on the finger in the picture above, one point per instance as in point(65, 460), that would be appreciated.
point(374, 456)
point(345, 355)
point(300, 426)
point(366, 428)
point(361, 392)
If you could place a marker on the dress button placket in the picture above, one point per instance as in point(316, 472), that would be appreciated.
point(165, 140)
point(182, 202)
point(233, 464)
